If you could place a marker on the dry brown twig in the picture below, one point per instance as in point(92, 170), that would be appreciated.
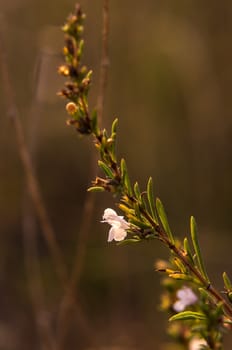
point(104, 61)
point(31, 258)
point(31, 180)
point(30, 237)
point(33, 271)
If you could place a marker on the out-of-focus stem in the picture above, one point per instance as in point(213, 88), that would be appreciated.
point(104, 61)
point(31, 180)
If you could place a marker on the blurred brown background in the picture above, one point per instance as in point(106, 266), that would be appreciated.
point(170, 85)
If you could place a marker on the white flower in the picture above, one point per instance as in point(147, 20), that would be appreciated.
point(185, 297)
point(119, 225)
point(196, 343)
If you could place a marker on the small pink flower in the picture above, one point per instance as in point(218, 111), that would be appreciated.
point(119, 225)
point(185, 297)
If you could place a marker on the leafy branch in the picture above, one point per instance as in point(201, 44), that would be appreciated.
point(145, 217)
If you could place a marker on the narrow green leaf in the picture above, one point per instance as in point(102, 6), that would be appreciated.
point(188, 315)
point(180, 276)
point(126, 209)
point(129, 240)
point(96, 189)
point(187, 250)
point(94, 123)
point(194, 236)
point(140, 197)
point(89, 74)
point(227, 281)
point(137, 190)
point(114, 126)
point(125, 177)
point(230, 296)
point(181, 267)
point(206, 295)
point(137, 222)
point(151, 200)
point(111, 146)
point(137, 211)
point(163, 218)
point(80, 48)
point(108, 172)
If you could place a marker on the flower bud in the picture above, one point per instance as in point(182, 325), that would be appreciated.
point(71, 108)
point(63, 70)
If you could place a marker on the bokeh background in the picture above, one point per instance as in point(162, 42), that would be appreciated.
point(170, 85)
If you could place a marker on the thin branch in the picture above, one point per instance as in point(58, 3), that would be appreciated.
point(71, 293)
point(34, 279)
point(31, 254)
point(70, 299)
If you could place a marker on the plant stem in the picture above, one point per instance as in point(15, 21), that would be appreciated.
point(179, 253)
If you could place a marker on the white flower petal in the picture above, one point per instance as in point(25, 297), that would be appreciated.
point(109, 214)
point(111, 234)
point(120, 234)
point(119, 225)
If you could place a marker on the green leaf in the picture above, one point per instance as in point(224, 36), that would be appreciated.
point(125, 177)
point(129, 240)
point(188, 315)
point(96, 189)
point(108, 172)
point(89, 74)
point(196, 245)
point(187, 250)
point(94, 123)
point(151, 200)
point(142, 203)
point(139, 223)
point(80, 48)
point(164, 219)
point(180, 276)
point(111, 147)
point(182, 268)
point(137, 211)
point(227, 281)
point(125, 207)
point(206, 295)
point(137, 191)
point(114, 126)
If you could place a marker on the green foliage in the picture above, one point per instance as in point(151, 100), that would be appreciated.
point(163, 218)
point(196, 245)
point(187, 251)
point(106, 169)
point(227, 282)
point(125, 178)
point(188, 315)
point(151, 200)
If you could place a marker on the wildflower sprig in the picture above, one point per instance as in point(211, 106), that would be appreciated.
point(144, 216)
point(79, 77)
